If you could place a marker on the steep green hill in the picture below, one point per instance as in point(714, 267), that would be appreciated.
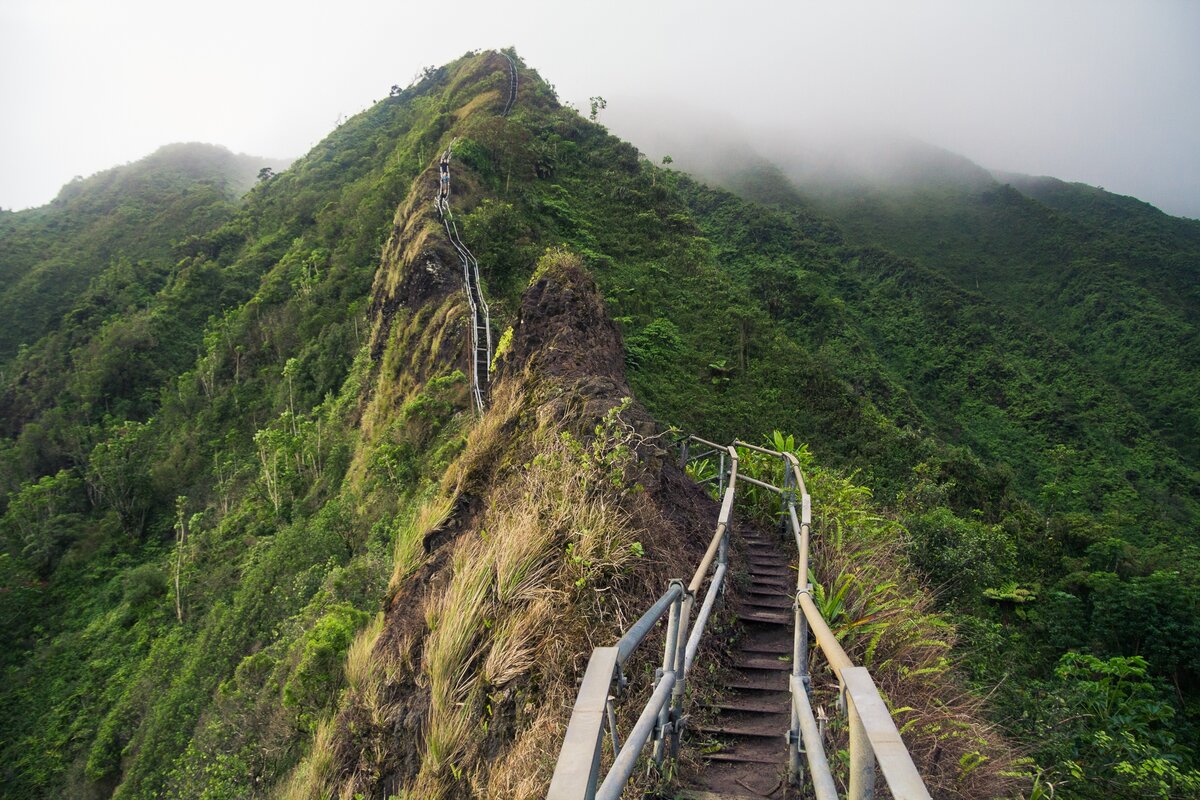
point(247, 494)
point(132, 214)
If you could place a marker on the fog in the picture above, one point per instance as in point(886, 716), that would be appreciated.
point(1100, 92)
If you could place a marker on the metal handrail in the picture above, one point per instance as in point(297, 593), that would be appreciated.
point(577, 772)
point(822, 777)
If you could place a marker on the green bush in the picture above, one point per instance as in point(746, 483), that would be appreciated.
point(318, 658)
point(143, 584)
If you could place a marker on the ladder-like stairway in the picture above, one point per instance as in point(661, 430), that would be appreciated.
point(742, 736)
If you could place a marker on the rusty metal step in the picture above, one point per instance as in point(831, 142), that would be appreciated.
point(769, 648)
point(769, 563)
point(759, 615)
point(697, 794)
point(763, 682)
point(771, 572)
point(752, 705)
point(751, 615)
point(780, 582)
point(769, 590)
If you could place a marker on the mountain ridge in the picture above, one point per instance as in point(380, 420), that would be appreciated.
point(203, 554)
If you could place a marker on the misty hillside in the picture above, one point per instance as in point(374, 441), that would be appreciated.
point(257, 542)
point(126, 217)
point(1112, 278)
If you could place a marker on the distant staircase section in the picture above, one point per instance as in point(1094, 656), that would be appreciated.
point(772, 745)
point(512, 85)
point(481, 324)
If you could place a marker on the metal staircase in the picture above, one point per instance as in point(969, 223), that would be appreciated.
point(481, 327)
point(777, 693)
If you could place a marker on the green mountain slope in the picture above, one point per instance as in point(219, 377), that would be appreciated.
point(1112, 278)
point(246, 493)
point(135, 213)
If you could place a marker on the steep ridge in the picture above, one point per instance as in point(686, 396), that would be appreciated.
point(318, 461)
point(406, 724)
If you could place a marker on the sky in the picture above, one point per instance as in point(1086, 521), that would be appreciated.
point(1102, 92)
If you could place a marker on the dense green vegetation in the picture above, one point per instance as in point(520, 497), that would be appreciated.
point(207, 481)
point(1065, 356)
point(137, 213)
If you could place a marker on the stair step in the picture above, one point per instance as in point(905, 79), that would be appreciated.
point(764, 551)
point(762, 663)
point(770, 572)
point(761, 682)
point(746, 758)
point(769, 592)
point(779, 582)
point(766, 564)
point(767, 603)
point(763, 616)
point(697, 794)
point(750, 706)
point(767, 648)
point(741, 730)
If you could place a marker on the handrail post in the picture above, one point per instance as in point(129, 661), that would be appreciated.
point(721, 474)
point(670, 653)
point(578, 767)
point(683, 454)
point(676, 705)
point(862, 758)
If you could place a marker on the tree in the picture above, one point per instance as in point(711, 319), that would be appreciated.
point(42, 520)
point(265, 174)
point(118, 474)
point(668, 160)
point(598, 104)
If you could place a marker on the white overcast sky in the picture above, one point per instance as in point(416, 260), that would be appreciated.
point(1096, 91)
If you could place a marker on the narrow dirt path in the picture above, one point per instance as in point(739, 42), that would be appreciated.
point(744, 736)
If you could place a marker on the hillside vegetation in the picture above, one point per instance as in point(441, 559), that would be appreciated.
point(252, 528)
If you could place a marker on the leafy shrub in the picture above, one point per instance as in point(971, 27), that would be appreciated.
point(143, 584)
point(318, 657)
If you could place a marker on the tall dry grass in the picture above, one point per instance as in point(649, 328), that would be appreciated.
point(557, 532)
